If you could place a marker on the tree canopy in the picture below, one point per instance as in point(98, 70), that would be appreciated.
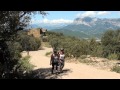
point(10, 23)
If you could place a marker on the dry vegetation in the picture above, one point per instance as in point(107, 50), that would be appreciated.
point(101, 63)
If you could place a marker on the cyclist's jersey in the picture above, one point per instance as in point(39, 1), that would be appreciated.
point(62, 57)
point(55, 58)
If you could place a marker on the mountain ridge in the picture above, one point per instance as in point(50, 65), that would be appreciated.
point(85, 27)
point(92, 26)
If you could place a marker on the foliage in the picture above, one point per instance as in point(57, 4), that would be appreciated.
point(28, 42)
point(113, 56)
point(116, 68)
point(48, 53)
point(10, 23)
point(75, 47)
point(83, 56)
point(46, 44)
point(111, 43)
point(24, 65)
point(86, 61)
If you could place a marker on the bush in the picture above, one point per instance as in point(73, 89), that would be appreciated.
point(28, 42)
point(113, 56)
point(24, 65)
point(85, 61)
point(54, 42)
point(38, 41)
point(76, 51)
point(46, 44)
point(14, 48)
point(116, 68)
point(111, 43)
point(13, 51)
point(83, 56)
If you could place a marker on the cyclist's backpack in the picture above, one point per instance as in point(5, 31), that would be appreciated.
point(55, 58)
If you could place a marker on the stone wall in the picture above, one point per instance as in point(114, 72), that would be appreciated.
point(34, 32)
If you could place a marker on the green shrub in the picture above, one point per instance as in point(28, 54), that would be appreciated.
point(38, 43)
point(54, 42)
point(75, 50)
point(48, 53)
point(14, 50)
point(116, 68)
point(83, 56)
point(24, 65)
point(85, 61)
point(46, 44)
point(111, 42)
point(113, 56)
point(33, 44)
point(28, 42)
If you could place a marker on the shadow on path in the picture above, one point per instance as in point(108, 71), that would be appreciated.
point(45, 73)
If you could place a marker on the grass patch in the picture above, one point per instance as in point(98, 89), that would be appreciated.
point(46, 44)
point(85, 61)
point(24, 65)
point(48, 53)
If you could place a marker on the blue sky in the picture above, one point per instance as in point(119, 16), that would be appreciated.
point(54, 17)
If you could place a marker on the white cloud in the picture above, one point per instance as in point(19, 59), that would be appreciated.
point(34, 21)
point(102, 13)
point(61, 21)
point(44, 21)
point(56, 21)
point(92, 13)
point(78, 15)
point(89, 13)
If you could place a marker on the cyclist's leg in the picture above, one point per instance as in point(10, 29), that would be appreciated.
point(52, 67)
point(57, 68)
point(62, 65)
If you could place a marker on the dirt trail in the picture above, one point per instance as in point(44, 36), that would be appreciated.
point(70, 71)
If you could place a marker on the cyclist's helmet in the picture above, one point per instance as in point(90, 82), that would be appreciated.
point(55, 51)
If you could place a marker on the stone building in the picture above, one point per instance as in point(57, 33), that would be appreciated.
point(39, 33)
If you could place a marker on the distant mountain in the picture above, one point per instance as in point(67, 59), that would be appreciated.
point(78, 34)
point(47, 26)
point(93, 25)
point(72, 33)
point(90, 27)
